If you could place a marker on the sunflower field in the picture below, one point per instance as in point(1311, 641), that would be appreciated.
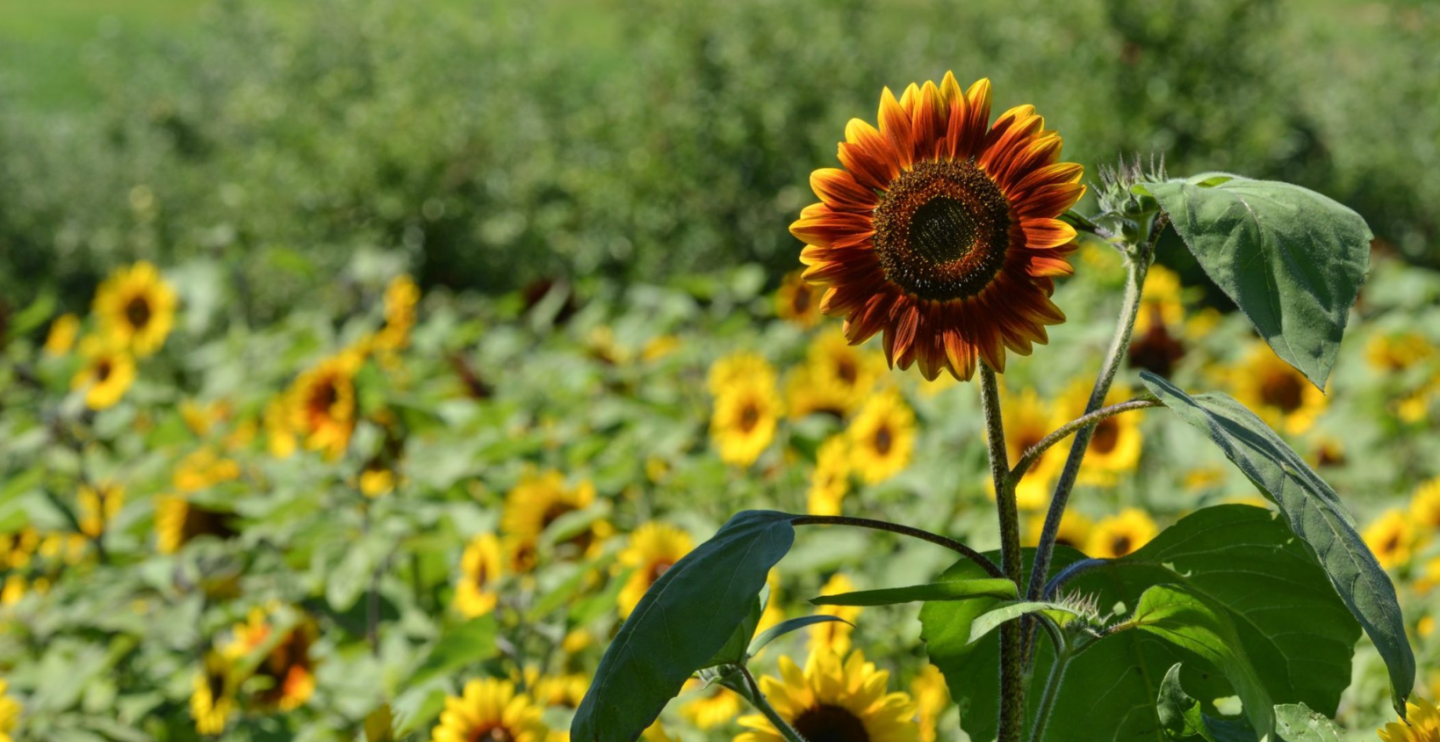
point(334, 421)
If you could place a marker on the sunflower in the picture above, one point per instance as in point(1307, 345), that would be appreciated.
point(106, 373)
point(203, 469)
point(941, 233)
point(287, 665)
point(1391, 537)
point(796, 301)
point(882, 437)
point(1115, 444)
point(1425, 506)
point(13, 591)
point(851, 370)
point(744, 421)
point(401, 296)
point(932, 695)
point(654, 548)
point(490, 710)
point(9, 712)
point(61, 337)
point(560, 690)
point(322, 404)
point(17, 548)
point(1074, 530)
point(213, 698)
point(736, 368)
point(1276, 392)
point(713, 705)
point(1422, 723)
point(834, 700)
point(537, 501)
point(481, 568)
point(834, 636)
point(202, 417)
point(831, 479)
point(136, 308)
point(809, 391)
point(1153, 346)
point(1392, 353)
point(1027, 422)
point(99, 504)
point(179, 521)
point(1118, 535)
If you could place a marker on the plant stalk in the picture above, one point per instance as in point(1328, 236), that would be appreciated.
point(1052, 690)
point(880, 525)
point(1012, 665)
point(758, 700)
point(1032, 454)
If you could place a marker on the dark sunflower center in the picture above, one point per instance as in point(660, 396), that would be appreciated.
point(884, 439)
point(846, 369)
point(1156, 351)
point(553, 514)
point(1065, 540)
point(1390, 544)
point(1121, 545)
point(325, 397)
point(1107, 434)
point(492, 734)
point(102, 370)
point(137, 312)
point(800, 300)
point(825, 723)
point(749, 417)
point(942, 230)
point(1283, 390)
point(201, 521)
point(215, 681)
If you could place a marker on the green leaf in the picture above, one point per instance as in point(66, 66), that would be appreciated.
point(463, 645)
point(683, 620)
point(734, 651)
point(1292, 624)
point(1185, 721)
point(1291, 259)
point(787, 626)
point(954, 590)
point(1315, 514)
point(1297, 723)
point(1193, 623)
point(991, 619)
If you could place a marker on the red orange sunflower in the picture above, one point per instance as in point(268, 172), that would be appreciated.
point(941, 229)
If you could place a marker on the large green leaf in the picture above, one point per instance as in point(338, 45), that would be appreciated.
point(1289, 620)
point(1314, 513)
point(1291, 259)
point(683, 621)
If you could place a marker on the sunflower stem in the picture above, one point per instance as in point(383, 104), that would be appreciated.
point(1052, 689)
point(757, 699)
point(1012, 665)
point(880, 525)
point(1138, 265)
point(1029, 457)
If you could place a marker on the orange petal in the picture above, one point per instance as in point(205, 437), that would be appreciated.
point(1042, 233)
point(839, 189)
point(868, 156)
point(895, 126)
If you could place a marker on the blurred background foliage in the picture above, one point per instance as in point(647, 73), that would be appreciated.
point(494, 143)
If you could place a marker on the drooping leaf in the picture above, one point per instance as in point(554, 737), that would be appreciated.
point(1184, 720)
point(954, 590)
point(684, 619)
point(789, 625)
point(1010, 610)
point(1291, 259)
point(1315, 514)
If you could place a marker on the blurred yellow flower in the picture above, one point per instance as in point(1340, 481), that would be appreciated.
point(17, 547)
point(834, 698)
point(536, 502)
point(1027, 421)
point(213, 699)
point(200, 418)
point(737, 368)
point(376, 479)
point(322, 404)
point(709, 706)
point(882, 437)
point(1116, 443)
point(481, 567)
point(1422, 723)
point(1394, 352)
point(1074, 530)
point(1276, 392)
point(1160, 300)
point(99, 504)
point(797, 301)
point(932, 695)
point(834, 636)
point(9, 712)
point(1120, 534)
point(490, 709)
point(401, 296)
point(279, 438)
point(1391, 537)
point(830, 481)
point(658, 347)
point(1425, 506)
point(136, 308)
point(743, 423)
point(653, 549)
point(179, 521)
point(203, 469)
point(851, 370)
point(286, 664)
point(61, 337)
point(105, 374)
point(565, 690)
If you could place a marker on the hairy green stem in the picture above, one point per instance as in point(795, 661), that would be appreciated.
point(758, 700)
point(1034, 453)
point(1012, 664)
point(1052, 690)
point(881, 525)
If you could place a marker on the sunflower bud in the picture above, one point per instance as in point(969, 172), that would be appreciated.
point(1127, 208)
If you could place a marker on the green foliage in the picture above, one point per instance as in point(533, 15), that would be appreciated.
point(1291, 259)
point(934, 591)
point(1315, 514)
point(1184, 720)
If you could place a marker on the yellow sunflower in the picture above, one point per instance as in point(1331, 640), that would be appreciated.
point(1121, 534)
point(61, 337)
point(490, 710)
point(203, 469)
point(739, 367)
point(712, 705)
point(17, 547)
point(882, 437)
point(1276, 392)
point(202, 417)
point(809, 391)
point(136, 308)
point(1425, 506)
point(941, 232)
point(1154, 345)
point(401, 296)
point(1027, 422)
point(1422, 723)
point(653, 549)
point(744, 420)
point(213, 699)
point(179, 521)
point(560, 690)
point(9, 712)
point(287, 666)
point(481, 568)
point(796, 301)
point(1395, 352)
point(932, 695)
point(105, 374)
point(831, 479)
point(833, 636)
point(537, 501)
point(322, 404)
point(99, 504)
point(851, 370)
point(1074, 530)
point(1391, 537)
point(834, 699)
point(1115, 445)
